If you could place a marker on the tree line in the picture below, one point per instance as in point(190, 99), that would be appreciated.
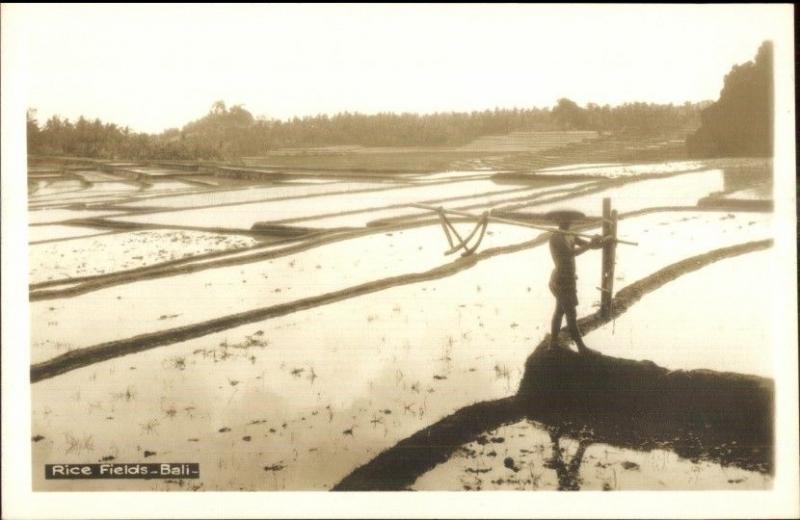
point(227, 132)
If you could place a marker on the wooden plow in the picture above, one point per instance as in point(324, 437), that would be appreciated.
point(610, 240)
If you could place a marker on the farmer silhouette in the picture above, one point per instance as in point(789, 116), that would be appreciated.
point(564, 248)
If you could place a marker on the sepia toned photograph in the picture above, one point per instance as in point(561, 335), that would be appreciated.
point(269, 248)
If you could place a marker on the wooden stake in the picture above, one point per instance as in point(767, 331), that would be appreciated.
point(612, 262)
point(605, 272)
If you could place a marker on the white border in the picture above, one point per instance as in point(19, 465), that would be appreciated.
point(20, 502)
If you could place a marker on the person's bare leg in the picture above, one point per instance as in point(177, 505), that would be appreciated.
point(555, 325)
point(574, 331)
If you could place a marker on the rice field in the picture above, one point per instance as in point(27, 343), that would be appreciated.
point(524, 457)
point(284, 362)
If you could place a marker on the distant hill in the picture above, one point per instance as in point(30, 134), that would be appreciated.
point(739, 124)
point(233, 132)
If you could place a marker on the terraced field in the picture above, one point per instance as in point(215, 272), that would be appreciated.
point(285, 331)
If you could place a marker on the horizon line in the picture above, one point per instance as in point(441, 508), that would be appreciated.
point(288, 119)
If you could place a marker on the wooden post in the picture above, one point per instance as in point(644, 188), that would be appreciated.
point(612, 246)
point(607, 262)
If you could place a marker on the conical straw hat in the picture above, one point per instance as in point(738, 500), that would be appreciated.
point(564, 215)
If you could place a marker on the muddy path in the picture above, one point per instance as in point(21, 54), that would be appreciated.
point(681, 393)
point(336, 233)
point(387, 187)
point(313, 237)
point(86, 356)
point(75, 286)
point(568, 192)
point(89, 355)
point(118, 204)
point(176, 267)
point(546, 196)
point(591, 185)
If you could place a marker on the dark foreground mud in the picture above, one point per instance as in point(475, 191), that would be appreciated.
point(699, 414)
point(721, 417)
point(398, 467)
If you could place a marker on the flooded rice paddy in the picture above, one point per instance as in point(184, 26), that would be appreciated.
point(299, 400)
point(525, 457)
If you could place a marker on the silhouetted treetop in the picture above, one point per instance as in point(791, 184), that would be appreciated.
point(740, 122)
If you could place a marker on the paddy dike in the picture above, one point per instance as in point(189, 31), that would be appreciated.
point(699, 414)
point(149, 339)
point(338, 359)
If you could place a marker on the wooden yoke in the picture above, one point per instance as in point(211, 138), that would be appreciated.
point(609, 256)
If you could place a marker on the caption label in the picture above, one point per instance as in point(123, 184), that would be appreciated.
point(122, 470)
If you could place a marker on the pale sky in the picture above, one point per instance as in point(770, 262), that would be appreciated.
point(153, 67)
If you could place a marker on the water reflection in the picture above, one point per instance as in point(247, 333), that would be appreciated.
point(627, 424)
point(746, 175)
point(568, 472)
point(699, 415)
point(527, 455)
